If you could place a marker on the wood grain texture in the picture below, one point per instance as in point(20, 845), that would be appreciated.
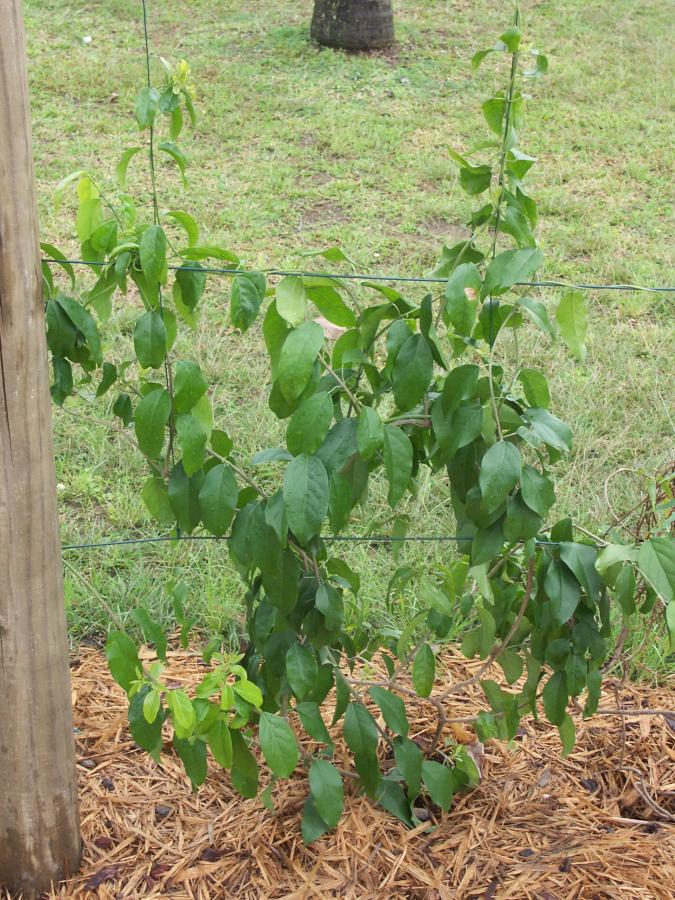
point(39, 826)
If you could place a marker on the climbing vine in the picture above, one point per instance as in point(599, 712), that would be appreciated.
point(366, 393)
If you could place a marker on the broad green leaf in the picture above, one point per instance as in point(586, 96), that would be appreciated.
point(156, 498)
point(249, 691)
point(147, 734)
point(152, 630)
point(536, 490)
point(329, 603)
point(183, 711)
point(572, 318)
point(535, 387)
point(390, 796)
point(150, 340)
point(79, 316)
point(360, 731)
point(656, 562)
point(555, 698)
point(475, 179)
point(439, 783)
point(189, 385)
point(292, 300)
point(278, 744)
point(220, 742)
point(152, 414)
point(302, 669)
point(568, 734)
point(398, 460)
point(369, 433)
point(306, 494)
point(424, 670)
point(244, 766)
point(325, 783)
point(521, 522)
point(296, 359)
point(538, 314)
point(562, 588)
point(580, 559)
point(461, 297)
point(245, 301)
point(460, 384)
point(313, 826)
point(184, 497)
point(342, 697)
point(544, 428)
point(500, 471)
point(331, 306)
point(409, 763)
point(145, 107)
point(511, 664)
point(177, 155)
point(413, 371)
point(624, 589)
point(312, 722)
point(192, 283)
point(392, 708)
point(309, 424)
point(192, 440)
point(218, 499)
point(152, 253)
point(123, 662)
point(510, 267)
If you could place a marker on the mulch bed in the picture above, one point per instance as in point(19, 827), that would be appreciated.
point(538, 826)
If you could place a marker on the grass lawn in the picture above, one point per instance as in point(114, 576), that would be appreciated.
point(298, 148)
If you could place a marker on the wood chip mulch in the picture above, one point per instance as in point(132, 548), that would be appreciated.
point(538, 826)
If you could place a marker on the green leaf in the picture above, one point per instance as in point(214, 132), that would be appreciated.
point(521, 522)
point(342, 696)
point(312, 722)
point(123, 165)
point(509, 268)
point(500, 471)
point(189, 385)
point(331, 306)
point(249, 691)
point(150, 340)
point(545, 428)
point(360, 731)
point(656, 562)
point(625, 586)
point(392, 708)
point(152, 414)
point(538, 314)
point(177, 155)
point(493, 111)
point(184, 497)
point(390, 796)
point(156, 499)
point(278, 744)
point(329, 603)
point(145, 107)
point(302, 669)
point(218, 499)
point(108, 378)
point(580, 559)
point(306, 494)
point(187, 223)
point(192, 440)
point(562, 589)
point(409, 763)
point(244, 767)
point(220, 742)
point(424, 670)
point(147, 734)
point(313, 826)
point(475, 179)
point(461, 294)
point(152, 253)
point(191, 283)
point(296, 359)
point(325, 783)
point(183, 712)
point(309, 424)
point(152, 630)
point(413, 370)
point(439, 783)
point(292, 300)
point(123, 662)
point(536, 490)
point(568, 734)
point(555, 698)
point(535, 387)
point(398, 460)
point(369, 433)
point(245, 301)
point(572, 318)
point(460, 384)
point(79, 316)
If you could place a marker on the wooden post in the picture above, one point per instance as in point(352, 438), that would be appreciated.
point(39, 822)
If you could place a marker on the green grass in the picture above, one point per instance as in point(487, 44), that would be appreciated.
point(297, 148)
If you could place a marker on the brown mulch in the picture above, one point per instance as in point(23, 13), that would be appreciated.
point(538, 826)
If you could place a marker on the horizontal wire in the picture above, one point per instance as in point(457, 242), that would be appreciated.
point(410, 279)
point(347, 538)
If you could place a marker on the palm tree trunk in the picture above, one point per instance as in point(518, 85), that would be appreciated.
point(353, 24)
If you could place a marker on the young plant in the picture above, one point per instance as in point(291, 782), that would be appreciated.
point(366, 394)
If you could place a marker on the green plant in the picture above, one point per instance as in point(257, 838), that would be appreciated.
point(367, 392)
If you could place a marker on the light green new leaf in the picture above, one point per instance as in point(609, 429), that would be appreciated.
point(292, 299)
point(572, 318)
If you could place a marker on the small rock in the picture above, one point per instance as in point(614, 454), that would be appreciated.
point(108, 783)
point(590, 784)
point(421, 813)
point(103, 842)
point(88, 764)
point(86, 39)
point(404, 80)
point(526, 853)
point(565, 865)
point(162, 811)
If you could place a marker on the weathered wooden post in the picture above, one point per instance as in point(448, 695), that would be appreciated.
point(39, 823)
